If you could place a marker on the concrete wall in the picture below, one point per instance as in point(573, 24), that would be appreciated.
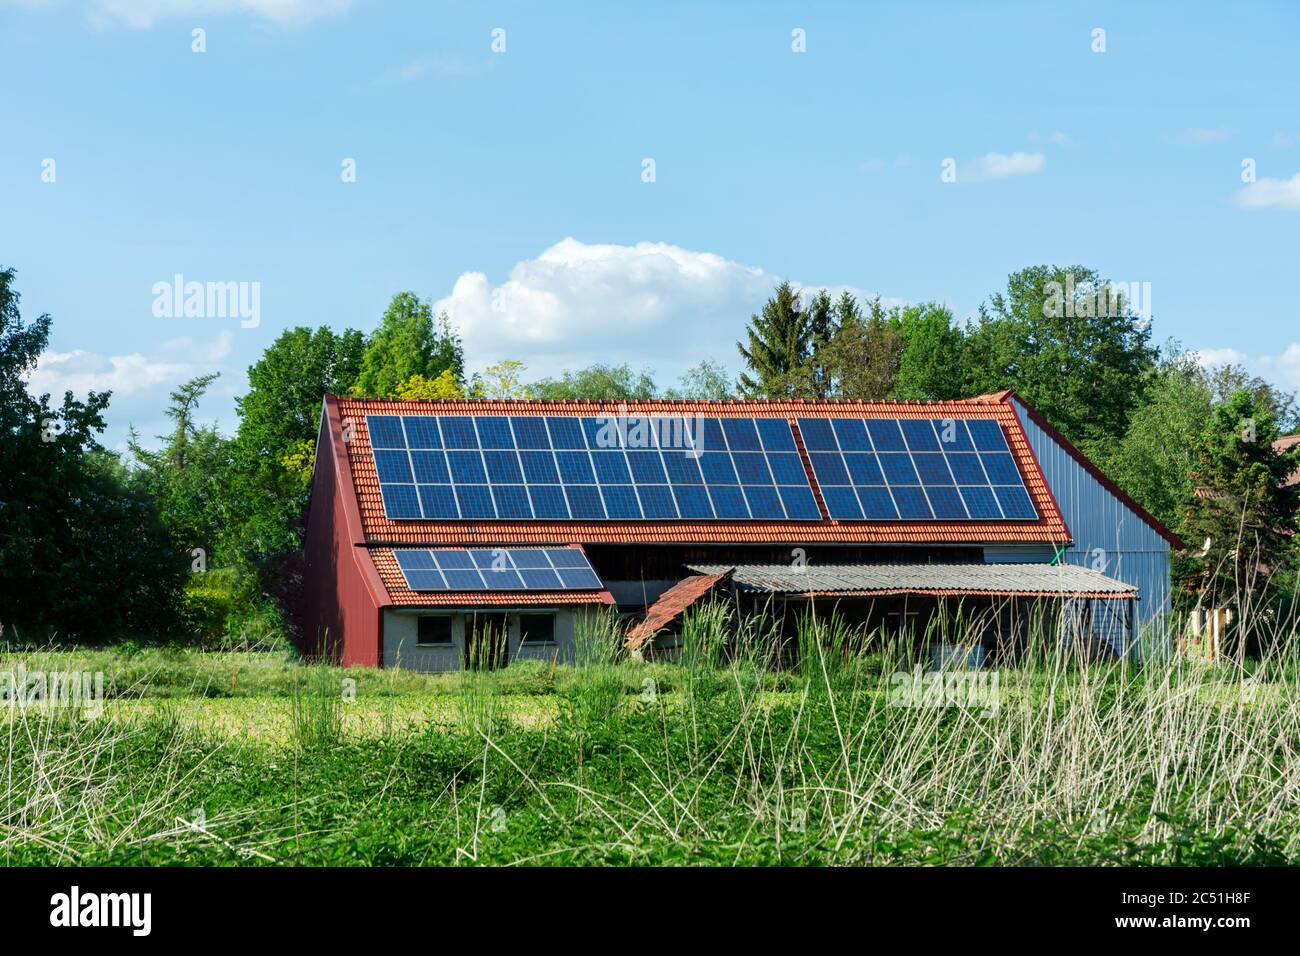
point(1108, 535)
point(401, 649)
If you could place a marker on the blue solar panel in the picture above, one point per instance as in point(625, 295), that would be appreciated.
point(393, 467)
point(430, 467)
point(548, 502)
point(438, 502)
point(800, 505)
point(494, 432)
point(422, 432)
point(919, 434)
point(775, 434)
point(852, 434)
point(915, 469)
point(463, 467)
point(987, 434)
point(385, 431)
point(1015, 502)
point(458, 432)
point(877, 504)
point(481, 569)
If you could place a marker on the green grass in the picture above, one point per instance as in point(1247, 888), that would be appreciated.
point(256, 759)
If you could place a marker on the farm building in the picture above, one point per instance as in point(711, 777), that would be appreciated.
point(441, 532)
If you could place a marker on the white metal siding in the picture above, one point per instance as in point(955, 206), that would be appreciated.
point(1108, 535)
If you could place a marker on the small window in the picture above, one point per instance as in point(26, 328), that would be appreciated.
point(433, 630)
point(537, 628)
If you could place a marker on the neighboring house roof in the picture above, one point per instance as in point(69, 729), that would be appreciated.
point(380, 530)
point(672, 604)
point(1283, 444)
point(1011, 580)
point(1006, 396)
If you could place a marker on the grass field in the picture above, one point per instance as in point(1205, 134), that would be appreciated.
point(257, 758)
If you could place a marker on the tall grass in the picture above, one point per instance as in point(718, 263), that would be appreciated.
point(316, 707)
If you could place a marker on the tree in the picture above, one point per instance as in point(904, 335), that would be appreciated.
point(503, 379)
point(604, 383)
point(862, 358)
point(189, 478)
point(1243, 523)
point(1154, 460)
point(707, 381)
point(405, 344)
point(1069, 346)
point(443, 386)
point(824, 319)
point(1225, 380)
point(779, 341)
point(81, 554)
point(279, 419)
point(931, 366)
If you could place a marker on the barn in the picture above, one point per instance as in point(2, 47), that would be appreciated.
point(442, 533)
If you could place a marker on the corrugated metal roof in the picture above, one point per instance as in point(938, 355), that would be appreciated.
point(379, 529)
point(1039, 580)
point(402, 596)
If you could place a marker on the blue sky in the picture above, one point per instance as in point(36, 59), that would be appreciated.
point(508, 186)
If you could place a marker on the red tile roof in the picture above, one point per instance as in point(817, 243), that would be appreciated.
point(402, 596)
point(379, 529)
point(1284, 444)
point(671, 604)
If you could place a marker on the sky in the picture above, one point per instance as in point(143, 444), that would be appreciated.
point(593, 182)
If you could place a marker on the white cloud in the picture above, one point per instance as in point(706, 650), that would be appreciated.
point(1200, 136)
point(1283, 369)
point(1056, 138)
point(430, 66)
point(141, 383)
point(1209, 358)
point(1271, 194)
point(651, 304)
point(1000, 166)
point(143, 14)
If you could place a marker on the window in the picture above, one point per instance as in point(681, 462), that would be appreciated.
point(433, 630)
point(537, 628)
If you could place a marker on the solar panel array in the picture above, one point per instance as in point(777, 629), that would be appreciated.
point(447, 467)
point(915, 469)
point(496, 569)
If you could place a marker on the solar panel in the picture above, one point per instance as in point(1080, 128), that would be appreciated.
point(666, 468)
point(916, 469)
point(499, 569)
point(660, 468)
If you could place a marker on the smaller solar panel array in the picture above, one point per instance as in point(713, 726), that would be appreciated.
point(915, 469)
point(496, 569)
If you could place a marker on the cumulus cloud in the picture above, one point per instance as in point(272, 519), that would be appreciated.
point(1001, 166)
point(143, 14)
point(140, 382)
point(1210, 358)
point(1282, 368)
point(652, 304)
point(1271, 194)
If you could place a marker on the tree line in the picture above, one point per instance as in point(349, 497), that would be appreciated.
point(98, 544)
